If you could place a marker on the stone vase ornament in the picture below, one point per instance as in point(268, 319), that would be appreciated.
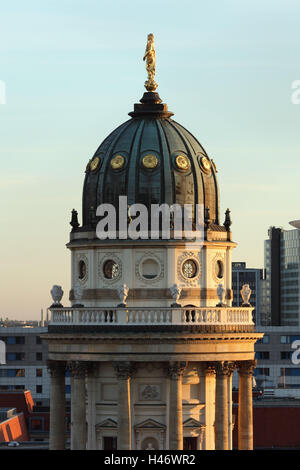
point(57, 294)
point(246, 294)
point(123, 294)
point(175, 293)
point(221, 295)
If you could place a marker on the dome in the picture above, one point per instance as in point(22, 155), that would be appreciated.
point(151, 159)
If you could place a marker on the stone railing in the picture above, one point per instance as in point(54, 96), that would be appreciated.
point(222, 316)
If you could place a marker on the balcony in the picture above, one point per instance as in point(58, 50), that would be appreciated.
point(153, 317)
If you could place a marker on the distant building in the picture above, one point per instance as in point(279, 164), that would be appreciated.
point(276, 424)
point(26, 363)
point(276, 370)
point(280, 299)
point(242, 275)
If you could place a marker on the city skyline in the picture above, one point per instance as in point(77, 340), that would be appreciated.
point(73, 71)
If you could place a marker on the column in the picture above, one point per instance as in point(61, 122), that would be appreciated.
point(57, 436)
point(91, 405)
point(175, 371)
point(208, 396)
point(231, 367)
point(78, 405)
point(221, 417)
point(124, 371)
point(245, 412)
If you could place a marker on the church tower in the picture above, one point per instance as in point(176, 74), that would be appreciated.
point(151, 338)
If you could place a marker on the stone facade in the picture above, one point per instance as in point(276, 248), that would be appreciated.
point(183, 391)
point(132, 261)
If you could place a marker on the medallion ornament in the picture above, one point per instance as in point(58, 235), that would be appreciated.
point(94, 165)
point(150, 392)
point(150, 161)
point(182, 162)
point(205, 164)
point(117, 162)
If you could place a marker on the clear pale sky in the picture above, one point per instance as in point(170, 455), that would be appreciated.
point(73, 70)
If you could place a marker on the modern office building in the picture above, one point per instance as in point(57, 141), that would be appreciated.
point(278, 361)
point(280, 293)
point(242, 275)
point(277, 371)
point(26, 363)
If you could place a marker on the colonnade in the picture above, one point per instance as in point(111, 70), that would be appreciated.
point(124, 372)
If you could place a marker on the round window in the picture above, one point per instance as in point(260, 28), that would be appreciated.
point(150, 269)
point(219, 269)
point(189, 268)
point(81, 269)
point(110, 269)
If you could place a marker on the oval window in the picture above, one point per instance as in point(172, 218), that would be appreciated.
point(110, 269)
point(81, 269)
point(189, 268)
point(150, 269)
point(219, 269)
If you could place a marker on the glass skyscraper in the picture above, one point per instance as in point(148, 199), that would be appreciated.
point(280, 301)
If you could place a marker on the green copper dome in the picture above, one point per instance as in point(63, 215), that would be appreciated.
point(151, 159)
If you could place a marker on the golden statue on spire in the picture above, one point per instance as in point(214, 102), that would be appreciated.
point(150, 58)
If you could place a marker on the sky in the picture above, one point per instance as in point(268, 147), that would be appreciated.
point(73, 70)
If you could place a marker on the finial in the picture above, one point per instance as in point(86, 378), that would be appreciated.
point(74, 221)
point(150, 58)
point(227, 222)
point(207, 219)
